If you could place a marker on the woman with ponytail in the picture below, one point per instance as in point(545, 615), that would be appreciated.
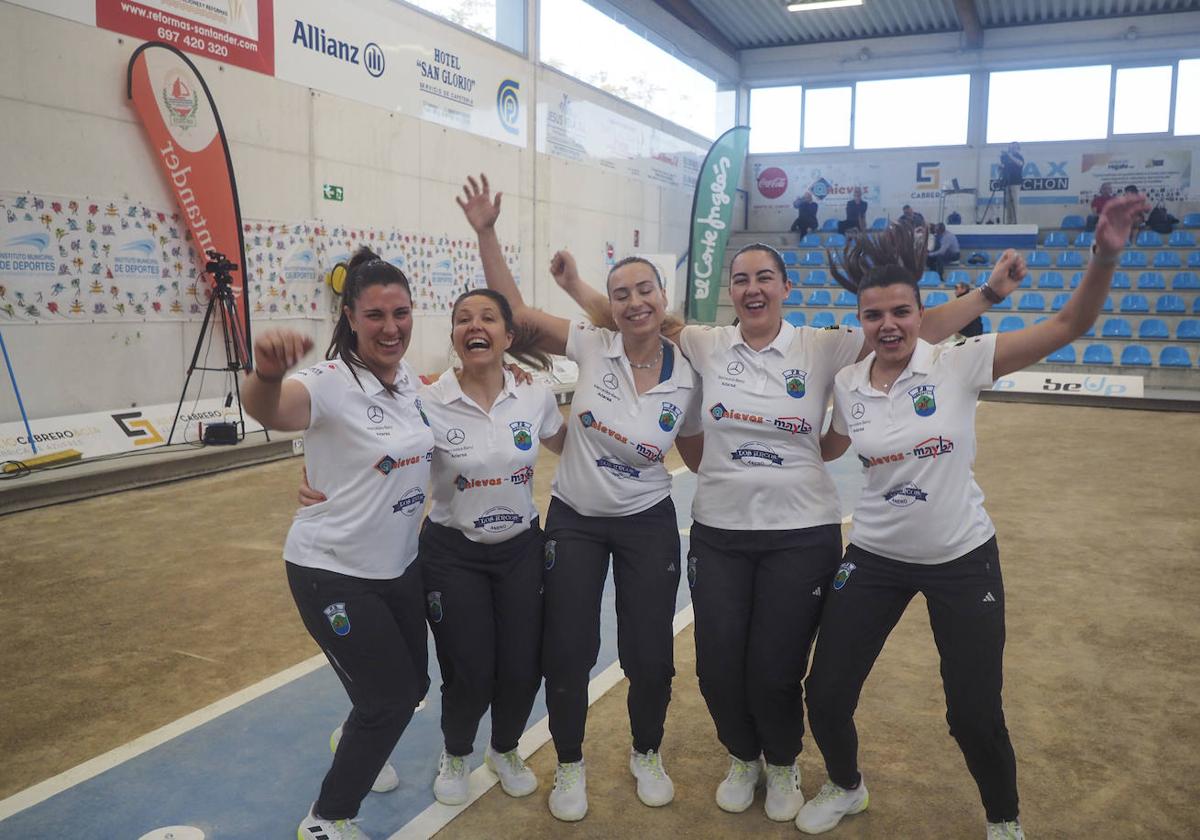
point(919, 526)
point(351, 560)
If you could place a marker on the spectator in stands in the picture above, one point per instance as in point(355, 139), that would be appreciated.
point(911, 217)
point(945, 250)
point(1161, 220)
point(954, 218)
point(1012, 166)
point(1103, 197)
point(856, 213)
point(1139, 219)
point(806, 215)
point(974, 328)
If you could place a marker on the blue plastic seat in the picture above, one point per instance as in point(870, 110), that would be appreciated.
point(833, 280)
point(879, 224)
point(1050, 280)
point(1185, 280)
point(1075, 279)
point(1151, 280)
point(1174, 357)
point(1038, 259)
point(1136, 355)
point(1153, 328)
point(1133, 259)
point(1097, 354)
point(822, 320)
point(789, 258)
point(1191, 220)
point(850, 320)
point(958, 276)
point(1171, 305)
point(793, 276)
point(1182, 239)
point(1072, 222)
point(1011, 323)
point(1007, 303)
point(795, 298)
point(1069, 259)
point(811, 258)
point(1194, 259)
point(986, 322)
point(1055, 239)
point(819, 298)
point(1188, 330)
point(1060, 300)
point(810, 240)
point(1116, 328)
point(930, 280)
point(1195, 306)
point(815, 278)
point(936, 299)
point(1108, 304)
point(1063, 356)
point(1135, 303)
point(796, 319)
point(1031, 301)
point(845, 298)
point(835, 240)
point(1084, 239)
point(1167, 259)
point(1121, 280)
point(830, 224)
point(1148, 239)
point(1026, 282)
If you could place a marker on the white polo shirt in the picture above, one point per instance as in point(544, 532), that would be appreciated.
point(763, 413)
point(483, 460)
point(612, 462)
point(920, 502)
point(369, 453)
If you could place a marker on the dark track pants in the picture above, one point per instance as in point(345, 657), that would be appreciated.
point(965, 598)
point(484, 604)
point(646, 567)
point(758, 597)
point(382, 660)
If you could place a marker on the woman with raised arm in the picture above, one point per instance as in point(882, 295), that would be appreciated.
point(909, 410)
point(766, 539)
point(611, 496)
point(351, 560)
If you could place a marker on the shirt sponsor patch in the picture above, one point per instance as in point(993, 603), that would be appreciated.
point(617, 468)
point(905, 495)
point(756, 454)
point(498, 519)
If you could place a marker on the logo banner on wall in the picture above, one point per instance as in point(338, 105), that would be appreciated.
point(178, 112)
point(712, 212)
point(239, 32)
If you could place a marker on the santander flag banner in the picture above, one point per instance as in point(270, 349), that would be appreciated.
point(186, 136)
point(712, 213)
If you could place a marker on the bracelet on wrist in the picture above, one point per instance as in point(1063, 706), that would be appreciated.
point(991, 294)
point(272, 380)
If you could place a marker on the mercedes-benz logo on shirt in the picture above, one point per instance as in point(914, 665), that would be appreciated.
point(735, 368)
point(610, 381)
point(375, 414)
point(456, 436)
point(857, 411)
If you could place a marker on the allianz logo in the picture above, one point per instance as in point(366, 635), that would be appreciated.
point(315, 38)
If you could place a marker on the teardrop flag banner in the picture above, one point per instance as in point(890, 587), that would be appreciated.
point(712, 214)
point(181, 119)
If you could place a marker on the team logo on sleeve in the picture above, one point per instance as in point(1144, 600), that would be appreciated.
point(411, 502)
point(905, 494)
point(338, 619)
point(793, 380)
point(521, 436)
point(923, 402)
point(843, 575)
point(434, 602)
point(668, 417)
point(757, 454)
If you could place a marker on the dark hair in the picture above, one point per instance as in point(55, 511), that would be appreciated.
point(882, 258)
point(766, 249)
point(364, 269)
point(635, 261)
point(525, 337)
point(1131, 189)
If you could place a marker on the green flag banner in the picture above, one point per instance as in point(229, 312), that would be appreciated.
point(712, 211)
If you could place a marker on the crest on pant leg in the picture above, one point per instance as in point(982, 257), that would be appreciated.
point(434, 602)
point(691, 572)
point(549, 551)
point(338, 619)
point(843, 575)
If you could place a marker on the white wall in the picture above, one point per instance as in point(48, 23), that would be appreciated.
point(65, 128)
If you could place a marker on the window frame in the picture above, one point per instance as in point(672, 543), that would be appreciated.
point(1112, 100)
point(526, 53)
point(970, 95)
point(804, 147)
point(800, 128)
point(1175, 97)
point(1065, 65)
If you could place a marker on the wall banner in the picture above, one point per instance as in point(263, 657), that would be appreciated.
point(238, 32)
point(1097, 385)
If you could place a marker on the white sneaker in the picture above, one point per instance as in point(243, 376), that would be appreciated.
point(784, 796)
point(387, 778)
point(1010, 830)
point(736, 793)
point(568, 800)
point(515, 778)
point(654, 786)
point(315, 828)
point(451, 785)
point(826, 810)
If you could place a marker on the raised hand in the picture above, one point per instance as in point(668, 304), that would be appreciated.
point(564, 270)
point(1116, 223)
point(478, 206)
point(1008, 273)
point(277, 351)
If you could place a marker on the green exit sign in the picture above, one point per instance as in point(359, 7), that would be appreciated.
point(333, 192)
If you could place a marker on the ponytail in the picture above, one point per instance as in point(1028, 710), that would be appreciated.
point(364, 269)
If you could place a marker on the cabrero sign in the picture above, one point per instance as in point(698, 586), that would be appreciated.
point(712, 212)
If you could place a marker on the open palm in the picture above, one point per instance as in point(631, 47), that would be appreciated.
point(1116, 222)
point(478, 205)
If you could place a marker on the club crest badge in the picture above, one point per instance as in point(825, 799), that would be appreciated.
point(793, 380)
point(548, 554)
point(434, 602)
point(338, 619)
point(691, 572)
point(843, 575)
point(521, 435)
point(923, 401)
point(669, 416)
point(421, 411)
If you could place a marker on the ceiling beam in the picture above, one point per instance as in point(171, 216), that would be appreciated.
point(686, 12)
point(968, 19)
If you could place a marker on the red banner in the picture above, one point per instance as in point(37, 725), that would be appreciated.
point(186, 135)
point(240, 32)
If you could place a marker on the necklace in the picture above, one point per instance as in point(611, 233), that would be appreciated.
point(646, 365)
